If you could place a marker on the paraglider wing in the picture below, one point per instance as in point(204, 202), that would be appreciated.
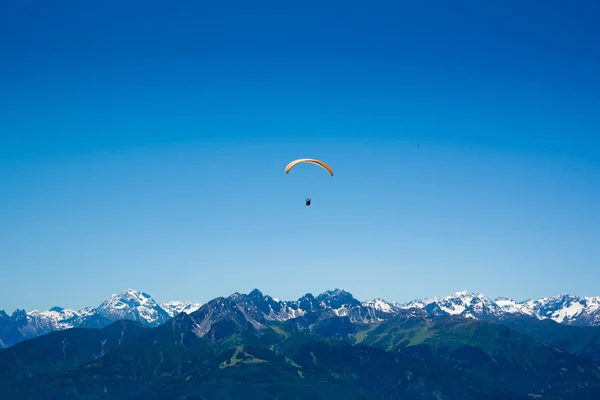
point(308, 160)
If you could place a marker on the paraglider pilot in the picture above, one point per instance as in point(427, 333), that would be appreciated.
point(308, 202)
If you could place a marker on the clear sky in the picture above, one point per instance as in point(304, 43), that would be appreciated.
point(143, 145)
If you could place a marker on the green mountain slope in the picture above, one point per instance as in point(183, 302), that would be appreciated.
point(250, 365)
point(64, 350)
point(493, 354)
point(582, 341)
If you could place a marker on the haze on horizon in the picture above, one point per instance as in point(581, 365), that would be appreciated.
point(143, 146)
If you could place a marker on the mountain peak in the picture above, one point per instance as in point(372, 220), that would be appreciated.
point(337, 299)
point(176, 307)
point(135, 294)
point(234, 296)
point(256, 293)
point(19, 315)
point(134, 305)
point(334, 292)
point(468, 295)
point(462, 293)
point(380, 305)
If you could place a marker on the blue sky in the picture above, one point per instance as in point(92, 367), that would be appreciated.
point(143, 145)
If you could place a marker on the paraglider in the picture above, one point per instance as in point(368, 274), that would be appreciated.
point(311, 161)
point(308, 160)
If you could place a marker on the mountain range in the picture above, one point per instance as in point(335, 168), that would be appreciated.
point(329, 346)
point(140, 307)
point(127, 305)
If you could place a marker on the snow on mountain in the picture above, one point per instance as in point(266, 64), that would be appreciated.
point(564, 308)
point(258, 308)
point(129, 305)
point(269, 308)
point(507, 304)
point(175, 307)
point(132, 305)
point(510, 306)
point(337, 299)
point(380, 305)
point(463, 303)
point(54, 319)
point(327, 304)
point(343, 304)
point(219, 318)
point(417, 303)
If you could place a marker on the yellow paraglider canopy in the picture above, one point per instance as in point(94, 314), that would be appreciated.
point(308, 160)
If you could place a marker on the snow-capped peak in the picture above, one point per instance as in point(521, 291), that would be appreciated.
point(126, 298)
point(134, 305)
point(55, 318)
point(175, 307)
point(463, 302)
point(511, 306)
point(508, 305)
point(379, 305)
point(563, 308)
point(127, 305)
point(417, 303)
